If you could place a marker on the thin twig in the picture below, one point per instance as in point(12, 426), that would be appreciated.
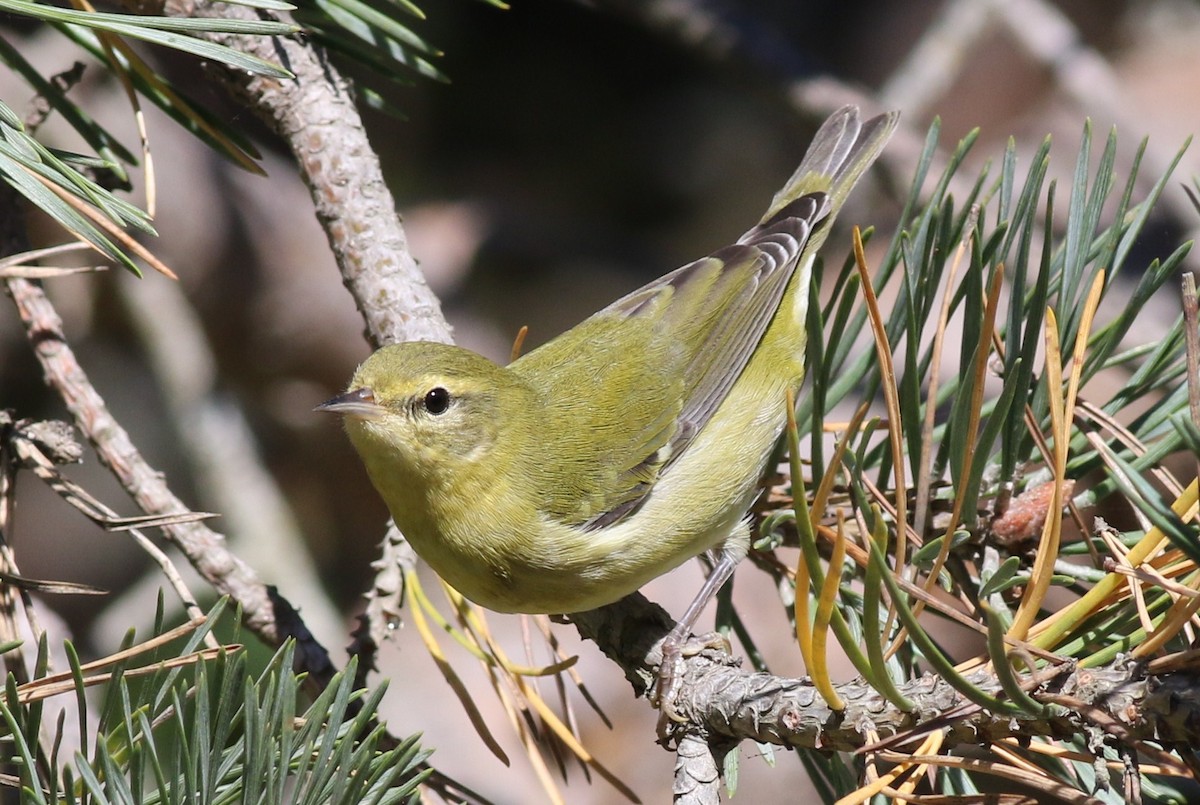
point(30, 255)
point(29, 454)
point(12, 595)
point(223, 454)
point(204, 548)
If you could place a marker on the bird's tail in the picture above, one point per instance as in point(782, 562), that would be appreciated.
point(841, 151)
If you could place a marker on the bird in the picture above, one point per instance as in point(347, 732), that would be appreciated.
point(570, 477)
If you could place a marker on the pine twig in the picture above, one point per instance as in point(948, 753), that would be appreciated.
point(731, 703)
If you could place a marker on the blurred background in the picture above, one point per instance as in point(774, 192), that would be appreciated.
point(576, 152)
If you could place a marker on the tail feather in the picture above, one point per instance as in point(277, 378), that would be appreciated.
point(841, 151)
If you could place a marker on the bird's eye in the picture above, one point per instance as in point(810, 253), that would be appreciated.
point(437, 400)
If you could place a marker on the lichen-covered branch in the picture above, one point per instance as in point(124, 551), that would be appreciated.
point(315, 114)
point(204, 548)
point(316, 117)
point(730, 703)
point(697, 776)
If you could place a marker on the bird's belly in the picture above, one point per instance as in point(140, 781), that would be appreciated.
point(550, 568)
point(511, 564)
point(566, 569)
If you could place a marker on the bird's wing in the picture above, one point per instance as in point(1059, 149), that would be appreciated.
point(653, 367)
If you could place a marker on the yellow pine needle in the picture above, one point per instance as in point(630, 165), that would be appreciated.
point(1062, 413)
point(918, 593)
point(532, 751)
point(1157, 569)
point(870, 768)
point(803, 627)
point(842, 427)
point(1182, 610)
point(543, 625)
point(115, 232)
point(518, 343)
point(1170, 564)
point(532, 698)
point(1121, 566)
point(517, 669)
point(931, 744)
point(1180, 613)
point(1186, 660)
point(819, 670)
point(110, 41)
point(474, 621)
point(803, 580)
point(46, 687)
point(929, 747)
point(825, 490)
point(516, 709)
point(474, 618)
point(145, 646)
point(569, 740)
point(1150, 576)
point(413, 586)
point(1011, 757)
point(150, 175)
point(473, 625)
point(558, 683)
point(881, 784)
point(496, 657)
point(474, 628)
point(1041, 783)
point(1047, 551)
point(891, 396)
point(1051, 630)
point(521, 721)
point(1175, 769)
point(452, 679)
point(975, 410)
point(541, 670)
point(807, 526)
point(1130, 442)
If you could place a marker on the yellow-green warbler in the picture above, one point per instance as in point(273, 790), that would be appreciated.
point(628, 444)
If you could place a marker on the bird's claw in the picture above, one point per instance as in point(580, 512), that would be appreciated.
point(670, 671)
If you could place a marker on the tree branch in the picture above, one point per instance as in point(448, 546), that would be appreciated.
point(204, 548)
point(726, 702)
point(317, 119)
point(697, 775)
point(316, 116)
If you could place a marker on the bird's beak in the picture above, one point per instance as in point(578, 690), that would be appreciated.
point(356, 402)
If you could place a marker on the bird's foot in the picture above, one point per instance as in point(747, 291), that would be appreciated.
point(674, 651)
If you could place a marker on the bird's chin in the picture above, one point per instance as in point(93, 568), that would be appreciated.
point(377, 440)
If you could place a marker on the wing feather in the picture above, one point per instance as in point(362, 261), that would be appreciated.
point(630, 416)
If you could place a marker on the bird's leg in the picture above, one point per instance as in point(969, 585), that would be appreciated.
point(679, 642)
